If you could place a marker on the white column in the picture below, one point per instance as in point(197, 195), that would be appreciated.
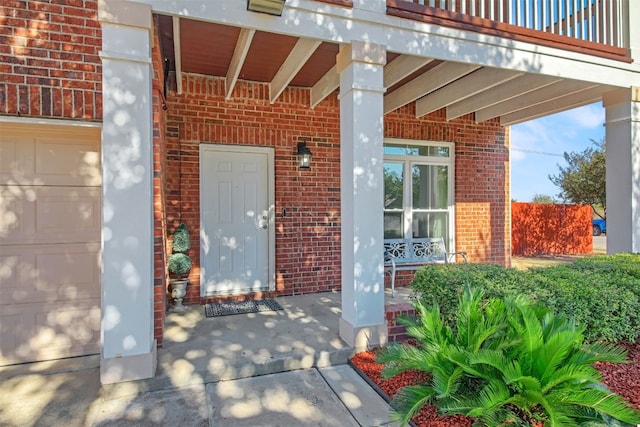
point(623, 170)
point(361, 172)
point(128, 346)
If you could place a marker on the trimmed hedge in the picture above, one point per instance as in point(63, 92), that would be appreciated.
point(602, 293)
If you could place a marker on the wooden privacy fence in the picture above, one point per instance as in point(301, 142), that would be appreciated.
point(544, 229)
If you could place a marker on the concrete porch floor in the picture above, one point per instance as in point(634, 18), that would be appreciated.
point(296, 352)
point(198, 349)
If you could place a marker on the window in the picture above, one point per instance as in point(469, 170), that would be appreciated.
point(418, 190)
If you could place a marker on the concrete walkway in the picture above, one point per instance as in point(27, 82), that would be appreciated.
point(284, 368)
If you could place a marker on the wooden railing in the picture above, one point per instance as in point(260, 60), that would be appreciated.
point(598, 21)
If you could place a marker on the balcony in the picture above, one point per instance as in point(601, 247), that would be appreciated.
point(598, 27)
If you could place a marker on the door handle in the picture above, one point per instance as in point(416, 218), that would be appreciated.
point(264, 222)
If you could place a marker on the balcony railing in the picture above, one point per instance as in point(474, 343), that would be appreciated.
point(598, 21)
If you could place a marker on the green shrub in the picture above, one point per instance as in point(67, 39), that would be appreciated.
point(504, 361)
point(181, 241)
point(601, 293)
point(179, 264)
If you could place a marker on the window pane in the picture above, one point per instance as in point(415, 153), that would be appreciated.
point(393, 185)
point(417, 150)
point(398, 150)
point(427, 150)
point(430, 187)
point(393, 225)
point(431, 224)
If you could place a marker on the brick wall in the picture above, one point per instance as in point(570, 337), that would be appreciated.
point(397, 331)
point(49, 67)
point(308, 237)
point(482, 196)
point(49, 63)
point(160, 276)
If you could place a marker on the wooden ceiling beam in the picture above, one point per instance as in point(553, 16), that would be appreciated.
point(177, 53)
point(394, 72)
point(432, 80)
point(299, 55)
point(510, 89)
point(574, 100)
point(401, 67)
point(552, 91)
point(476, 82)
point(325, 86)
point(239, 55)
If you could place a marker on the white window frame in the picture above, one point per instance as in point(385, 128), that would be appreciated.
point(409, 161)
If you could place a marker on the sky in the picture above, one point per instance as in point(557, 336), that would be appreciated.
point(537, 147)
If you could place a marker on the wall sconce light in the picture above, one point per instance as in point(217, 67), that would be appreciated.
point(272, 7)
point(304, 155)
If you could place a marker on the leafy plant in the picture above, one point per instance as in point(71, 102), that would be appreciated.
point(505, 361)
point(582, 181)
point(181, 242)
point(601, 293)
point(179, 262)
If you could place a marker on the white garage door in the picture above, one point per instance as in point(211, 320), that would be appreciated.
point(49, 242)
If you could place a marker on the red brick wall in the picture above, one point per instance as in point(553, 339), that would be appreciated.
point(49, 67)
point(159, 198)
point(49, 64)
point(482, 197)
point(396, 330)
point(308, 238)
point(541, 229)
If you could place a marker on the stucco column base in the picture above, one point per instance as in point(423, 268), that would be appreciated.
point(129, 368)
point(362, 337)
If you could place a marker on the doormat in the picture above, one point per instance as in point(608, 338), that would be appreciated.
point(241, 307)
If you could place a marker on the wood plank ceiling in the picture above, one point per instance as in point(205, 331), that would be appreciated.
point(233, 53)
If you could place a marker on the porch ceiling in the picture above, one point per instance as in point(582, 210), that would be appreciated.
point(243, 54)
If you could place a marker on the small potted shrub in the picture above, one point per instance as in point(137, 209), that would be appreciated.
point(179, 265)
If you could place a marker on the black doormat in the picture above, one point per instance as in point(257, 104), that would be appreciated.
point(241, 307)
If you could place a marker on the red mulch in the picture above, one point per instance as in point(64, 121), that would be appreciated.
point(623, 379)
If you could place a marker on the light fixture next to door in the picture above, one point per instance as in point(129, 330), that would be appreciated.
point(304, 155)
point(271, 7)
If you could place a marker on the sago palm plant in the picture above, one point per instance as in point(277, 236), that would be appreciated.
point(504, 363)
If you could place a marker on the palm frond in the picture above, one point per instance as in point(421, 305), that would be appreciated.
point(556, 348)
point(446, 382)
point(490, 399)
point(408, 401)
point(601, 352)
point(531, 336)
point(398, 358)
point(572, 376)
point(604, 402)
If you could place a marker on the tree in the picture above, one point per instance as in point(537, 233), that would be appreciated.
point(582, 181)
point(543, 199)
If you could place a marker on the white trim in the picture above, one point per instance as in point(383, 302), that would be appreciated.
point(55, 122)
point(269, 151)
point(106, 55)
point(430, 160)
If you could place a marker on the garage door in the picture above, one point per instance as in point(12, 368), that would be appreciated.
point(50, 214)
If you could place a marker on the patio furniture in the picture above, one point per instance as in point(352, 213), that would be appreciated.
point(413, 254)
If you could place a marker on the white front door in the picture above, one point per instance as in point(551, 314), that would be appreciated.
point(236, 219)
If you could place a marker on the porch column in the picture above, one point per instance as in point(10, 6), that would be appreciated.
point(128, 346)
point(623, 170)
point(360, 66)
